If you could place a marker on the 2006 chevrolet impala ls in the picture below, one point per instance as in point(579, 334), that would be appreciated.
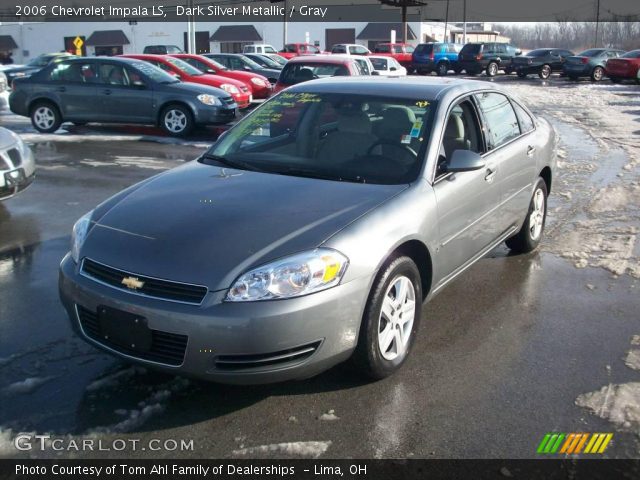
point(312, 231)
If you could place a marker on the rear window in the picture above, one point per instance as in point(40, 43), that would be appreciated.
point(424, 49)
point(632, 54)
point(302, 72)
point(594, 52)
point(471, 48)
point(383, 49)
point(538, 53)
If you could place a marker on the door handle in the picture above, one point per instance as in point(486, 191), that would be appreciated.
point(491, 174)
point(107, 92)
point(530, 150)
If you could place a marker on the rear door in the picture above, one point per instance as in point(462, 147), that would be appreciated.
point(74, 83)
point(125, 94)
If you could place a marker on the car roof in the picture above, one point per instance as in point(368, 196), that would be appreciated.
point(329, 59)
point(419, 88)
point(102, 59)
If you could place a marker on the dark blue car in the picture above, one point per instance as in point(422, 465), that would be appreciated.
point(438, 57)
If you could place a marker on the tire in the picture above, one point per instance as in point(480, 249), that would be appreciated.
point(545, 72)
point(370, 356)
point(615, 79)
point(597, 74)
point(442, 69)
point(522, 75)
point(492, 69)
point(45, 117)
point(528, 238)
point(177, 120)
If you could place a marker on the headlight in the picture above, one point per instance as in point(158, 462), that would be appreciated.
point(232, 89)
point(259, 82)
point(79, 235)
point(209, 99)
point(290, 277)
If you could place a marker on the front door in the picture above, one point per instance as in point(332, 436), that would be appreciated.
point(466, 200)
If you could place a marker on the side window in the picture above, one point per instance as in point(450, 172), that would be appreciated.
point(74, 73)
point(397, 49)
point(250, 49)
point(502, 49)
point(526, 122)
point(451, 48)
point(338, 49)
point(462, 132)
point(236, 64)
point(112, 74)
point(502, 123)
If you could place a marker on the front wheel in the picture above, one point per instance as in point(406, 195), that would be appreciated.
point(45, 117)
point(528, 238)
point(545, 72)
point(176, 120)
point(597, 74)
point(391, 319)
point(492, 69)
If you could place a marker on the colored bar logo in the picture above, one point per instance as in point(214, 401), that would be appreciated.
point(574, 443)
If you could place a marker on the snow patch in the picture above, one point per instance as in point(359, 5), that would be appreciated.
point(28, 385)
point(6, 442)
point(114, 378)
point(633, 359)
point(311, 449)
point(620, 404)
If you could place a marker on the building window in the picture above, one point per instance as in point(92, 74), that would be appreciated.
point(109, 51)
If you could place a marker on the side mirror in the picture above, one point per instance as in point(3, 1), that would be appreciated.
point(139, 84)
point(208, 70)
point(247, 68)
point(465, 161)
point(375, 72)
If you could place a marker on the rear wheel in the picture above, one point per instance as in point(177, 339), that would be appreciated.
point(597, 74)
point(528, 238)
point(492, 69)
point(442, 69)
point(176, 120)
point(45, 117)
point(545, 72)
point(391, 319)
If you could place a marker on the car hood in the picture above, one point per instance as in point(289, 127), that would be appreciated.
point(7, 138)
point(196, 89)
point(206, 225)
point(22, 69)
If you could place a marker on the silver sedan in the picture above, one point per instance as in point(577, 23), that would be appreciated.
point(17, 165)
point(312, 231)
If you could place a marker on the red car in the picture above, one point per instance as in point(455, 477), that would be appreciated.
point(238, 90)
point(402, 52)
point(624, 67)
point(305, 68)
point(291, 50)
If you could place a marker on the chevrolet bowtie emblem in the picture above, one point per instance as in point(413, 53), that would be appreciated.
point(132, 282)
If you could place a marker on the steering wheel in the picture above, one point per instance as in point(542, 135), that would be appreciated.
point(401, 146)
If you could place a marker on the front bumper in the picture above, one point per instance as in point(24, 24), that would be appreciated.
point(578, 70)
point(206, 115)
point(241, 343)
point(527, 69)
point(262, 93)
point(17, 172)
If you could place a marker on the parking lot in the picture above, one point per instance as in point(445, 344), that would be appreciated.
point(520, 346)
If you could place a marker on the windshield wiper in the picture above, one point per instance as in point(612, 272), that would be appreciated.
point(303, 172)
point(237, 164)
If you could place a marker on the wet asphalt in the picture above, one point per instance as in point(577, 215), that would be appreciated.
point(501, 356)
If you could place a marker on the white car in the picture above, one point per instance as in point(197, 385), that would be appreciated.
point(365, 65)
point(261, 48)
point(17, 164)
point(387, 66)
point(350, 49)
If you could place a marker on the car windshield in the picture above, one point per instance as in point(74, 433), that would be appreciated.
point(331, 136)
point(154, 73)
point(471, 48)
point(538, 53)
point(594, 52)
point(302, 72)
point(183, 66)
point(424, 49)
point(632, 54)
point(250, 63)
point(41, 61)
point(266, 61)
point(379, 63)
point(217, 64)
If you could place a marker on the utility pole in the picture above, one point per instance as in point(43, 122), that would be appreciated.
point(597, 21)
point(464, 21)
point(284, 26)
point(446, 22)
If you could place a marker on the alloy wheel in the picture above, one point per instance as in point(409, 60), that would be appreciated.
point(175, 120)
point(536, 218)
point(44, 117)
point(396, 318)
point(597, 74)
point(493, 69)
point(545, 72)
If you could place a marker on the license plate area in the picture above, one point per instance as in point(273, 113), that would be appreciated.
point(124, 329)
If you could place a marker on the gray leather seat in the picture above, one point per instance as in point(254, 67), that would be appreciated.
point(352, 138)
point(454, 136)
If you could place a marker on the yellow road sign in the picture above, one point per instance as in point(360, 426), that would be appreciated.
point(78, 42)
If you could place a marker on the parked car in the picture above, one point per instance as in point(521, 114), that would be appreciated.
point(117, 90)
point(402, 52)
point(363, 63)
point(17, 164)
point(35, 65)
point(276, 58)
point(187, 73)
point(265, 61)
point(624, 68)
point(387, 66)
point(350, 49)
point(303, 69)
point(590, 63)
point(490, 57)
point(161, 49)
point(260, 86)
point(543, 61)
point(436, 57)
point(350, 205)
point(236, 61)
point(259, 48)
point(291, 50)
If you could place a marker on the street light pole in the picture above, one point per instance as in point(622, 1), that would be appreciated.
point(446, 22)
point(464, 21)
point(597, 21)
point(284, 25)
